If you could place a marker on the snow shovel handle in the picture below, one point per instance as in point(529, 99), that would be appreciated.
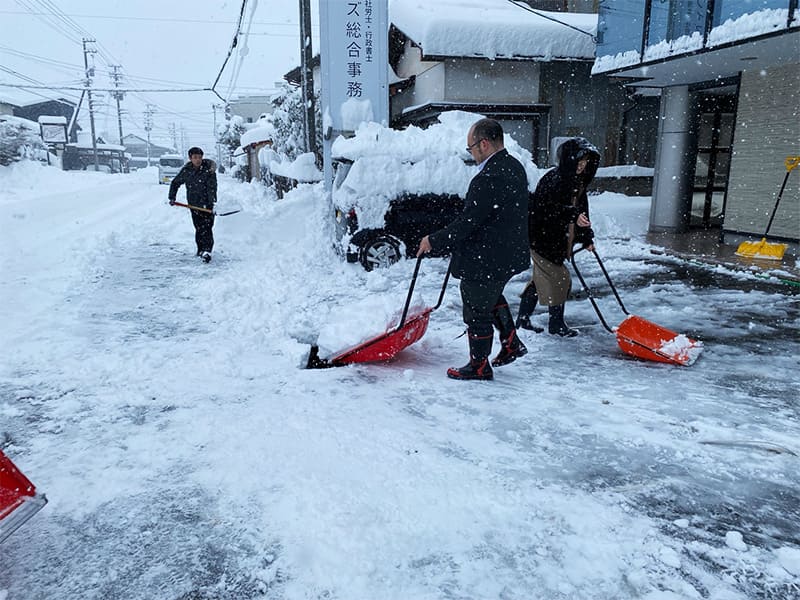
point(589, 291)
point(207, 210)
point(411, 292)
point(193, 207)
point(790, 163)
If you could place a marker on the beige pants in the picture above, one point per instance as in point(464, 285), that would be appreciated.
point(552, 281)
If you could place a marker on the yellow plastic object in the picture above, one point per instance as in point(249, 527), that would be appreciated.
point(764, 249)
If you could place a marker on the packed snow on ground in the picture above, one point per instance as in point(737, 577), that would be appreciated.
point(162, 406)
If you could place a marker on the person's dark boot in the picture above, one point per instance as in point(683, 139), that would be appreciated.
point(478, 367)
point(511, 348)
point(557, 326)
point(527, 304)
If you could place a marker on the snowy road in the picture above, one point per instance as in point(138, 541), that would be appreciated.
point(160, 404)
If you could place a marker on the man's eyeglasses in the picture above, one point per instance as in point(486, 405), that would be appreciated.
point(473, 144)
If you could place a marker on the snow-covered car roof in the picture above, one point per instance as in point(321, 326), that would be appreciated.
point(387, 163)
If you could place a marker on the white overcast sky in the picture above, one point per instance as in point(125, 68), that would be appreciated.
point(159, 44)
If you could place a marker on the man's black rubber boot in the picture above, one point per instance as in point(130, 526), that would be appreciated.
point(511, 348)
point(510, 351)
point(473, 370)
point(557, 326)
point(478, 367)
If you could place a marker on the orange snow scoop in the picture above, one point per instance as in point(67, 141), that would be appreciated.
point(19, 500)
point(765, 249)
point(642, 338)
point(207, 210)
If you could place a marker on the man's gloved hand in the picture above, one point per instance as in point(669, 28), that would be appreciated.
point(172, 201)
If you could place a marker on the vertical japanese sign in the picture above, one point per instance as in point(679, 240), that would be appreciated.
point(354, 60)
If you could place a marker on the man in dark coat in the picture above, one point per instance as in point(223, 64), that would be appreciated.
point(558, 218)
point(199, 176)
point(489, 244)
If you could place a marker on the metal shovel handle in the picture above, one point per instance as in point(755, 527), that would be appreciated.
point(411, 292)
point(589, 291)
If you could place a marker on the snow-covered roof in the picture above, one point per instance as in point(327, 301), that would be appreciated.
point(52, 120)
point(493, 29)
point(263, 132)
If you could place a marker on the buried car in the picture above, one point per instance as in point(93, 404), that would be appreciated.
point(393, 187)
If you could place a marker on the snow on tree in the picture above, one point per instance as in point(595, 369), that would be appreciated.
point(287, 118)
point(19, 140)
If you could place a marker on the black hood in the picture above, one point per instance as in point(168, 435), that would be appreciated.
point(574, 149)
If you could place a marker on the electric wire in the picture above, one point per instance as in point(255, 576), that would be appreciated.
point(234, 43)
point(242, 50)
point(543, 16)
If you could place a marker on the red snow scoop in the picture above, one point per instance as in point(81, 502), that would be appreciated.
point(208, 210)
point(386, 345)
point(642, 338)
point(19, 500)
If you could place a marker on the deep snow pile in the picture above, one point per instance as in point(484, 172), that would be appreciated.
point(161, 405)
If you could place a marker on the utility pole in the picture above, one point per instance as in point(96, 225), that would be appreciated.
point(148, 126)
point(118, 95)
point(307, 73)
point(173, 133)
point(214, 107)
point(89, 75)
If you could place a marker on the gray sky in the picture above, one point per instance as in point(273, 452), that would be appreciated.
point(167, 44)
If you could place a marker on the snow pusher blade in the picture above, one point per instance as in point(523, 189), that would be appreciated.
point(19, 500)
point(386, 345)
point(642, 338)
point(764, 249)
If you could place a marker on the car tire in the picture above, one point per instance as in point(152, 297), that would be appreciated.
point(379, 252)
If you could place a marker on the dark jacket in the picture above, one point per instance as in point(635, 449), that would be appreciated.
point(488, 240)
point(201, 184)
point(559, 198)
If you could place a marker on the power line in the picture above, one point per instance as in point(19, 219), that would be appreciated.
point(234, 43)
point(162, 19)
point(80, 89)
point(549, 18)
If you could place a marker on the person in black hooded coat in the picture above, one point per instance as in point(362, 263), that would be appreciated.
point(558, 218)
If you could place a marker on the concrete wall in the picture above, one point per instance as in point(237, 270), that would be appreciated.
point(767, 131)
point(507, 81)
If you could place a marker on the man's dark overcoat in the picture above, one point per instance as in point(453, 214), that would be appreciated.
point(489, 241)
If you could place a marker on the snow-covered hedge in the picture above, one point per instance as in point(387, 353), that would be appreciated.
point(19, 140)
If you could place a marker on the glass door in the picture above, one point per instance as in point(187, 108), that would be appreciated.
point(714, 140)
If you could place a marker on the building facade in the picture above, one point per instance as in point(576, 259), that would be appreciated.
point(727, 76)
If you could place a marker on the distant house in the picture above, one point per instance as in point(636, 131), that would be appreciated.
point(727, 75)
point(250, 108)
point(137, 148)
point(50, 108)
